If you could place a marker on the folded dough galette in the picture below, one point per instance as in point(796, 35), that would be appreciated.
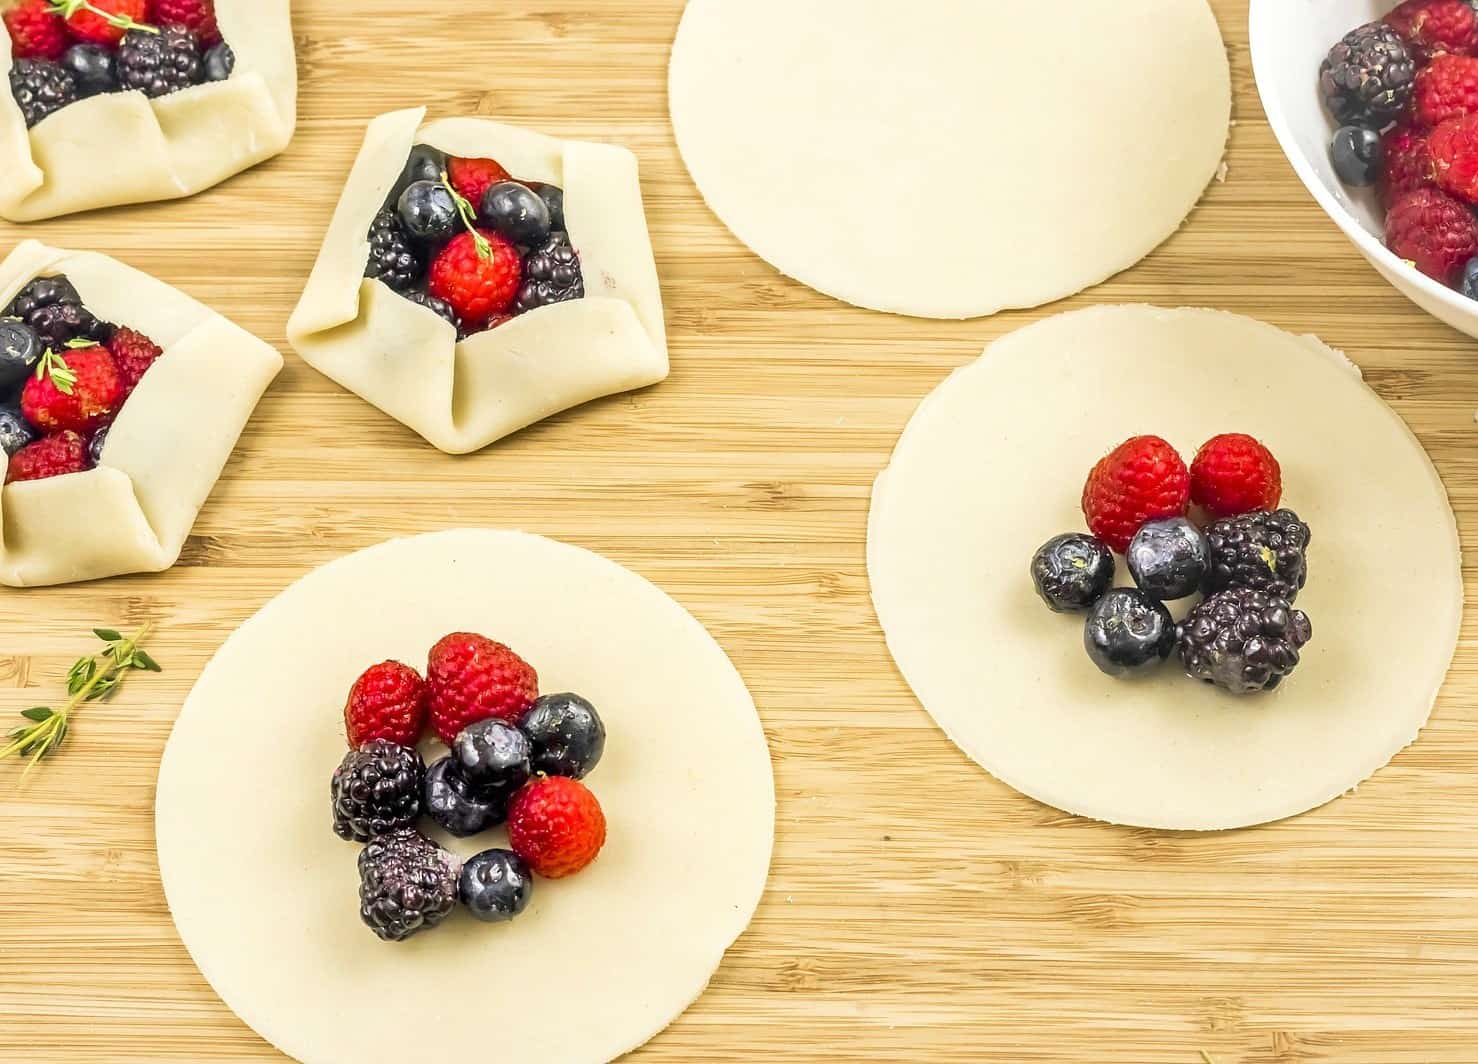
point(467, 304)
point(120, 401)
point(131, 101)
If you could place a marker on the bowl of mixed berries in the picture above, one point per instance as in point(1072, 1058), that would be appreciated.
point(1376, 106)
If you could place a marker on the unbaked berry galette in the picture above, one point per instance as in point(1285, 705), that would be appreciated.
point(478, 278)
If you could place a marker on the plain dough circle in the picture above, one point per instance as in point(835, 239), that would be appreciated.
point(265, 897)
point(950, 158)
point(992, 465)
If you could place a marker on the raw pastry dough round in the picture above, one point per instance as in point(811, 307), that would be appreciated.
point(946, 158)
point(265, 896)
point(992, 465)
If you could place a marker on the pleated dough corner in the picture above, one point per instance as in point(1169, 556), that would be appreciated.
point(159, 149)
point(406, 360)
point(164, 452)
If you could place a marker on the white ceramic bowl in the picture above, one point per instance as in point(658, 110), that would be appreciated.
point(1289, 40)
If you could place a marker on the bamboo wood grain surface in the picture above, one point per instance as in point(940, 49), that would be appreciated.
point(918, 910)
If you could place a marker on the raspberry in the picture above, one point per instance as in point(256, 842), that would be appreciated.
point(134, 353)
point(80, 391)
point(1454, 149)
point(556, 825)
point(66, 452)
point(107, 21)
point(473, 177)
point(1233, 474)
point(1434, 232)
point(471, 678)
point(1141, 480)
point(1408, 164)
point(198, 16)
point(1430, 27)
point(36, 31)
point(1447, 87)
point(476, 287)
point(387, 702)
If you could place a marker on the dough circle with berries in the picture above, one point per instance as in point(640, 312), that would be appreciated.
point(265, 897)
point(993, 464)
point(950, 158)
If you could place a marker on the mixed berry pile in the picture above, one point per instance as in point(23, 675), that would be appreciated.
point(68, 50)
point(64, 375)
point(1248, 558)
point(1405, 90)
point(514, 758)
point(466, 241)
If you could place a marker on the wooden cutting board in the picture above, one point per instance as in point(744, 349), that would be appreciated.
point(918, 910)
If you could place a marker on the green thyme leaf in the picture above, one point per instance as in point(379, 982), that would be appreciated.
point(107, 635)
point(38, 714)
point(142, 660)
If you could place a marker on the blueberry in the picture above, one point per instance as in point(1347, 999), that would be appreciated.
point(1072, 572)
point(92, 68)
point(1128, 632)
point(427, 211)
point(1168, 558)
point(554, 198)
point(15, 431)
point(95, 445)
point(1356, 154)
point(494, 756)
point(567, 735)
point(456, 805)
point(20, 350)
point(425, 164)
point(517, 212)
point(495, 885)
point(220, 61)
point(1469, 283)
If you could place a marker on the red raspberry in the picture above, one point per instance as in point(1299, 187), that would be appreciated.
point(1447, 87)
point(199, 16)
point(1430, 27)
point(1141, 480)
point(473, 177)
point(471, 678)
point(54, 456)
point(556, 825)
point(1454, 149)
point(134, 353)
point(477, 287)
point(79, 390)
point(1408, 164)
point(104, 21)
point(1233, 475)
point(387, 702)
point(1434, 232)
point(36, 31)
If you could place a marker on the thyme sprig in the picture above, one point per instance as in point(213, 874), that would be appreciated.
point(469, 219)
point(90, 679)
point(68, 8)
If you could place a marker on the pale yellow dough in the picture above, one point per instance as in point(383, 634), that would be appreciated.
point(993, 464)
point(265, 896)
point(950, 158)
point(406, 360)
point(164, 452)
point(123, 147)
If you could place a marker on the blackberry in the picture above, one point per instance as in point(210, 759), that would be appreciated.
point(1260, 550)
point(52, 307)
point(1367, 77)
point(158, 64)
point(551, 274)
point(41, 88)
point(1243, 640)
point(392, 258)
point(407, 884)
point(377, 789)
point(439, 307)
